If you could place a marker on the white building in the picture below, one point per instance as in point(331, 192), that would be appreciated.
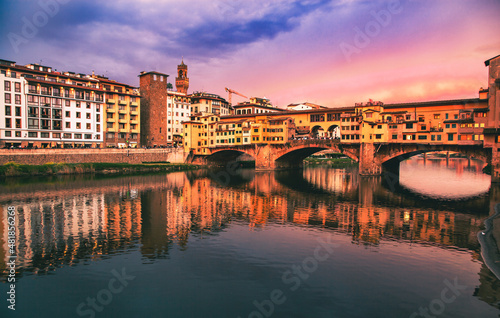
point(43, 108)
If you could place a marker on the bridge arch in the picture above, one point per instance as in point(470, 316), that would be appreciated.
point(224, 156)
point(334, 131)
point(317, 131)
point(391, 160)
point(295, 155)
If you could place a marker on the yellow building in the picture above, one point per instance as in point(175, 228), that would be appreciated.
point(122, 115)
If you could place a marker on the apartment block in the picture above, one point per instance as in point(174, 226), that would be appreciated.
point(122, 114)
point(43, 108)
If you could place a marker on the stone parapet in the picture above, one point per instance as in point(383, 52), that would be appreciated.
point(42, 156)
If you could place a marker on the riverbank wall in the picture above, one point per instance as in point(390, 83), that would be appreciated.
point(132, 156)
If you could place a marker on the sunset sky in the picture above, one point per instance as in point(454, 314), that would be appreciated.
point(330, 52)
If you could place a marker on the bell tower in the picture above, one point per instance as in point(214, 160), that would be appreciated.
point(182, 81)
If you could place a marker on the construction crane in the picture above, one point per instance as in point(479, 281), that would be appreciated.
point(231, 92)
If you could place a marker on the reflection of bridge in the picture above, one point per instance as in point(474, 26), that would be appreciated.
point(371, 157)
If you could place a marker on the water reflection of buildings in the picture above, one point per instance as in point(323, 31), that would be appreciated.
point(65, 223)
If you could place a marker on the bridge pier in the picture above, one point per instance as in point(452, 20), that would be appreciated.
point(368, 166)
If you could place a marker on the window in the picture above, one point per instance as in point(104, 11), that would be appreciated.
point(409, 126)
point(33, 134)
point(7, 98)
point(67, 103)
point(393, 137)
point(450, 137)
point(453, 125)
point(18, 123)
point(78, 136)
point(7, 85)
point(446, 116)
point(68, 114)
point(67, 136)
point(88, 115)
point(88, 136)
point(68, 125)
point(378, 127)
point(17, 87)
point(78, 114)
point(447, 125)
point(109, 125)
point(438, 137)
point(78, 125)
point(8, 123)
point(88, 126)
point(7, 111)
point(44, 135)
point(378, 136)
point(8, 134)
point(18, 99)
point(437, 116)
point(33, 123)
point(317, 118)
point(110, 135)
point(422, 137)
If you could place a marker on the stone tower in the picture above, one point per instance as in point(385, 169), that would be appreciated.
point(182, 81)
point(153, 86)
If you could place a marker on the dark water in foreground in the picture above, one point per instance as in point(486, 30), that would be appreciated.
point(321, 242)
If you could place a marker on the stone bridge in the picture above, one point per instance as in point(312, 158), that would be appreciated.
point(372, 158)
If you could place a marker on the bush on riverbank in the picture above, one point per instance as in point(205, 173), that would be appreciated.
point(12, 169)
point(330, 161)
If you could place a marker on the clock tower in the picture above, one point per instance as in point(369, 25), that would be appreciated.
point(182, 81)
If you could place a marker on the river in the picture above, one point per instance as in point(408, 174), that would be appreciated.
point(317, 242)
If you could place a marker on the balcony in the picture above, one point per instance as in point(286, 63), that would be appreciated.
point(110, 109)
point(134, 104)
point(110, 101)
point(123, 121)
point(122, 102)
point(110, 120)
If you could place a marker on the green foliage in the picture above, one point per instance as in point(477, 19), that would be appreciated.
point(12, 169)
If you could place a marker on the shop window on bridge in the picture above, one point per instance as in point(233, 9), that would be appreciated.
point(422, 137)
point(332, 117)
point(317, 118)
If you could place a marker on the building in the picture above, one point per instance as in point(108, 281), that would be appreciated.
point(43, 108)
point(122, 114)
point(163, 111)
point(204, 132)
point(206, 103)
point(255, 106)
point(304, 106)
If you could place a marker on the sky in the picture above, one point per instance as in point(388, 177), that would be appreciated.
point(330, 52)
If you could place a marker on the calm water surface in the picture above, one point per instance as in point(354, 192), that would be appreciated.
point(319, 242)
